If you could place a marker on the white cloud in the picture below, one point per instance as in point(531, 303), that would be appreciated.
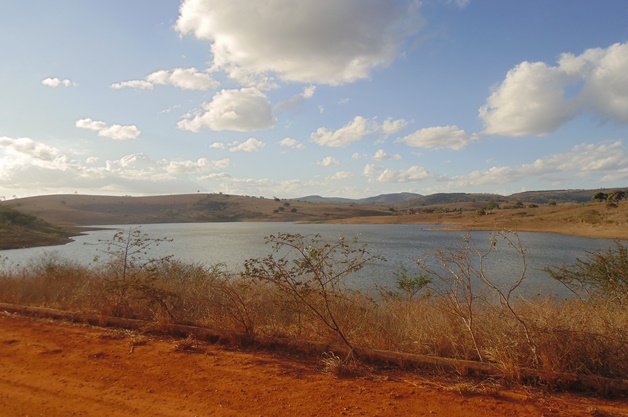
point(116, 132)
point(357, 155)
point(460, 3)
point(291, 143)
point(26, 164)
point(390, 127)
point(340, 176)
point(308, 92)
point(311, 41)
point(250, 145)
point(329, 161)
point(584, 160)
point(380, 155)
point(241, 110)
point(136, 84)
point(217, 145)
point(296, 101)
point(58, 82)
point(169, 109)
point(412, 174)
point(200, 165)
point(184, 78)
point(371, 170)
point(26, 147)
point(351, 132)
point(606, 88)
point(450, 137)
point(537, 99)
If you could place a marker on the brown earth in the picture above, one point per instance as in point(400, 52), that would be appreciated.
point(595, 220)
point(58, 369)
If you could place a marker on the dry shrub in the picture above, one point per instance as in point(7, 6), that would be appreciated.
point(582, 337)
point(189, 344)
point(47, 281)
point(557, 337)
point(348, 367)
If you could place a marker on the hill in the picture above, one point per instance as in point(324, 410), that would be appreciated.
point(18, 229)
point(377, 200)
point(86, 210)
point(58, 216)
point(408, 200)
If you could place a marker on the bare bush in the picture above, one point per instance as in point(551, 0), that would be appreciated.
point(313, 273)
point(462, 313)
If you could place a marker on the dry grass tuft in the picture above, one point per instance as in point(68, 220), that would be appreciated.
point(189, 344)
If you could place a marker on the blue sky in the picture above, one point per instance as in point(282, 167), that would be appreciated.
point(346, 98)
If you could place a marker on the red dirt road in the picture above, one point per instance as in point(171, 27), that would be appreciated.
point(55, 369)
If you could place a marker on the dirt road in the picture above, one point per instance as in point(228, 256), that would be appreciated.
point(57, 369)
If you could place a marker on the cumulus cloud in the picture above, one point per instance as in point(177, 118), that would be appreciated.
point(241, 110)
point(380, 155)
point(390, 127)
point(584, 160)
point(33, 165)
point(200, 165)
point(311, 41)
point(412, 174)
point(291, 143)
point(439, 137)
point(250, 145)
point(354, 131)
point(217, 145)
point(28, 148)
point(116, 132)
point(537, 99)
point(58, 82)
point(329, 161)
point(339, 176)
point(184, 78)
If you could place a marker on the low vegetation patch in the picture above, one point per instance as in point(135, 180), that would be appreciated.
point(450, 306)
point(19, 229)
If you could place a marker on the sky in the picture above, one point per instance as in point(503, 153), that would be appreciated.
point(290, 98)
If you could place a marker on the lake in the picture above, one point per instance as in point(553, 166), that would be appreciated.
point(233, 243)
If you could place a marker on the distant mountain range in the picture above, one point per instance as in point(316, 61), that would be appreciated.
point(380, 199)
point(413, 199)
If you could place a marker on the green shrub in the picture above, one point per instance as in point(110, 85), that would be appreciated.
point(602, 274)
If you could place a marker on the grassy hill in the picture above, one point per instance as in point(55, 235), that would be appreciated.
point(575, 213)
point(18, 229)
point(85, 210)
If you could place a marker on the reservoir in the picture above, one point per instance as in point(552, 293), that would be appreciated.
point(400, 245)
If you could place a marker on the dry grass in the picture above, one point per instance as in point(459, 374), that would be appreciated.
point(597, 220)
point(570, 336)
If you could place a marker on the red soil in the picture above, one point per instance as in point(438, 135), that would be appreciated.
point(57, 369)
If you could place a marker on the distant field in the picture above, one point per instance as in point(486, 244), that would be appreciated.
point(596, 220)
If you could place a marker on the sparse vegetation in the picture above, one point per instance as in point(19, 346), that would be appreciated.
point(298, 292)
point(19, 229)
point(601, 274)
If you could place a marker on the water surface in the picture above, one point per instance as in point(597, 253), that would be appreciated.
point(400, 245)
